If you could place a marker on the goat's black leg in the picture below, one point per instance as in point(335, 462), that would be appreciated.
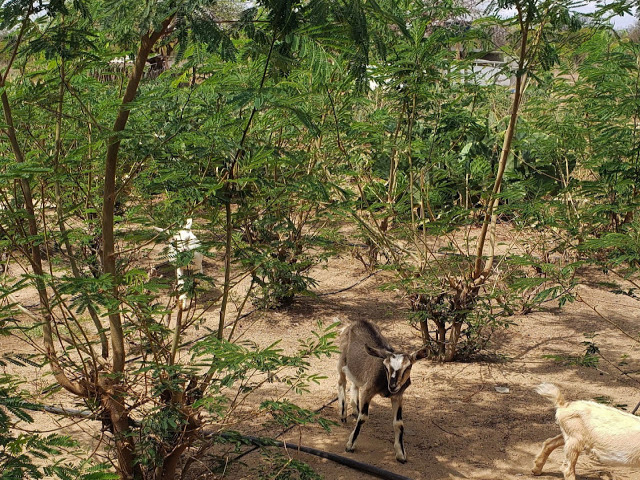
point(398, 428)
point(362, 417)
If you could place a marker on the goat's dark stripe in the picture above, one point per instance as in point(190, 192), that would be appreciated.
point(356, 431)
point(399, 414)
point(379, 340)
point(401, 439)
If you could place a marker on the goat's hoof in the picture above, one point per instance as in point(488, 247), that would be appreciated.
point(401, 460)
point(536, 471)
point(349, 449)
point(343, 420)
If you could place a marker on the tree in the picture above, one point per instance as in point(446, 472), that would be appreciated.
point(444, 157)
point(108, 143)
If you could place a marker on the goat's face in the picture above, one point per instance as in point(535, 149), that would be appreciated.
point(397, 365)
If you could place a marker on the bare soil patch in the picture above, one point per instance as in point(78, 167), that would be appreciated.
point(457, 425)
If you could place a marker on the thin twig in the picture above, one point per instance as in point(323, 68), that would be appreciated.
point(445, 431)
point(610, 322)
point(350, 287)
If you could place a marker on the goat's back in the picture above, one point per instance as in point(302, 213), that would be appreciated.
point(360, 333)
point(354, 355)
point(610, 435)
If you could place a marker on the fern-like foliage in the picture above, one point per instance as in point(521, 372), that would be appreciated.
point(32, 455)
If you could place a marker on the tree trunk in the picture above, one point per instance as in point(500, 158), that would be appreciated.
point(478, 270)
point(442, 338)
point(114, 401)
point(227, 262)
point(454, 336)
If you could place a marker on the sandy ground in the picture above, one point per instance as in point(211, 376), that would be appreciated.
point(457, 425)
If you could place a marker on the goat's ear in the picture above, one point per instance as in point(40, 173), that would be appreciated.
point(420, 354)
point(187, 226)
point(376, 352)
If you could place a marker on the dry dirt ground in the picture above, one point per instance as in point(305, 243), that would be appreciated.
point(457, 425)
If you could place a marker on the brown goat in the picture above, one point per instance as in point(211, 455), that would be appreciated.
point(373, 367)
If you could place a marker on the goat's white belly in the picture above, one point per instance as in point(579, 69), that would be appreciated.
point(351, 377)
point(612, 458)
point(616, 453)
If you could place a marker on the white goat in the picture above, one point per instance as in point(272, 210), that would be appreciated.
point(610, 436)
point(374, 368)
point(183, 241)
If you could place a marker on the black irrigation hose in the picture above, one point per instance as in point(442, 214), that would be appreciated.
point(258, 442)
point(348, 462)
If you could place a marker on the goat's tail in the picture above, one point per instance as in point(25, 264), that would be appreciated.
point(552, 393)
